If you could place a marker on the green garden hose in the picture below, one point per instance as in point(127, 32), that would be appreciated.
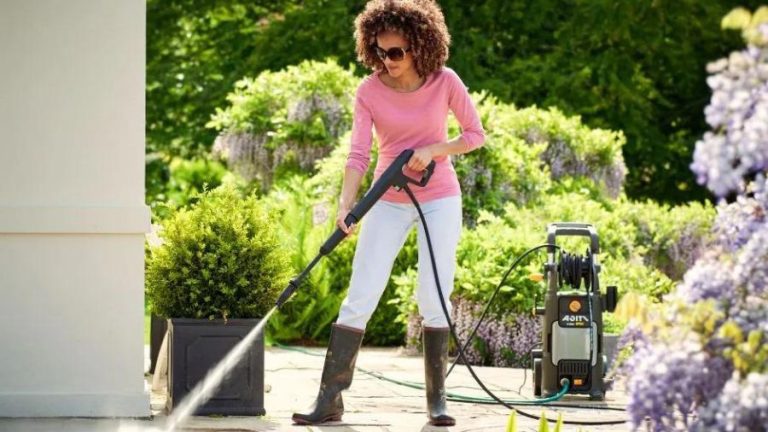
point(456, 397)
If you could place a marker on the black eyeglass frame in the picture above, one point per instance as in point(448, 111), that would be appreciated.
point(394, 53)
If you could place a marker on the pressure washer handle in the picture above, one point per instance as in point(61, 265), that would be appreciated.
point(558, 229)
point(427, 174)
point(428, 171)
point(392, 176)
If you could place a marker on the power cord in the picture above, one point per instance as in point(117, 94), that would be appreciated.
point(493, 297)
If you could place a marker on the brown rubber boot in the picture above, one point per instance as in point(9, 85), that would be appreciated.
point(337, 376)
point(435, 362)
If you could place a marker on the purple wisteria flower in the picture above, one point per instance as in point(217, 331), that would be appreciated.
point(668, 382)
point(741, 407)
point(498, 342)
point(751, 268)
point(737, 222)
point(737, 146)
point(710, 278)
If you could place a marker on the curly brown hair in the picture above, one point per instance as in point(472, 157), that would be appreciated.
point(421, 22)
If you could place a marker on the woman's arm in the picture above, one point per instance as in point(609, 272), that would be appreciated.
point(452, 147)
point(352, 180)
point(357, 161)
point(424, 155)
point(472, 132)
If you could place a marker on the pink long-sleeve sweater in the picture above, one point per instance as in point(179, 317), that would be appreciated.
point(404, 120)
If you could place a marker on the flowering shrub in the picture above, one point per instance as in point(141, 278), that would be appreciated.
point(282, 122)
point(670, 238)
point(711, 334)
point(532, 152)
point(738, 111)
point(499, 341)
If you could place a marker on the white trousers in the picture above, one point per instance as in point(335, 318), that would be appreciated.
point(383, 232)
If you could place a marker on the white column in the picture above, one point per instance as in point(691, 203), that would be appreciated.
point(72, 211)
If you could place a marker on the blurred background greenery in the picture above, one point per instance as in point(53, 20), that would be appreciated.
point(632, 66)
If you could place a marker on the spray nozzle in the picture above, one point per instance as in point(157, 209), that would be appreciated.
point(286, 294)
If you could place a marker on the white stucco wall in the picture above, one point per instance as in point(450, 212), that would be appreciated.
point(72, 211)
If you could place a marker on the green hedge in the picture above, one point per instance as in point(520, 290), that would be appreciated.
point(176, 182)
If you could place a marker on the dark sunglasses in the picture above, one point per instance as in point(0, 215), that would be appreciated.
point(394, 53)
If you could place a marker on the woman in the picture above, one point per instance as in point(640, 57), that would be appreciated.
point(406, 99)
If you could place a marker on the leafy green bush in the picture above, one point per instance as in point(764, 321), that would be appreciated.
point(612, 325)
point(220, 258)
point(282, 122)
point(673, 237)
point(628, 252)
point(191, 176)
point(655, 240)
point(486, 252)
point(631, 275)
point(530, 153)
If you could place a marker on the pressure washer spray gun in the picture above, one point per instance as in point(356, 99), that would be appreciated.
point(393, 176)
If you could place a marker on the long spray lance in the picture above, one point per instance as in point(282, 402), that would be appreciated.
point(393, 176)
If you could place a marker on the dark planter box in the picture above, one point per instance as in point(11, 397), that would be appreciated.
point(158, 327)
point(197, 346)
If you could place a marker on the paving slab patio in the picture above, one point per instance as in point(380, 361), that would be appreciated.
point(371, 404)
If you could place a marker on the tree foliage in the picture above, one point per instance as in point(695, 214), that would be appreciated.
point(198, 49)
point(637, 67)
